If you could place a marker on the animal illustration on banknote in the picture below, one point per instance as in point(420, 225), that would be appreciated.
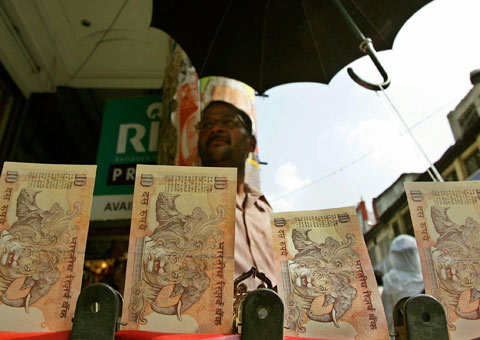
point(456, 258)
point(175, 257)
point(319, 271)
point(33, 247)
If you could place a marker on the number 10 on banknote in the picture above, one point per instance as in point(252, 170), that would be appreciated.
point(180, 261)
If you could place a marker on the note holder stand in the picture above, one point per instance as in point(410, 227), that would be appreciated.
point(419, 317)
point(258, 315)
point(98, 313)
point(99, 308)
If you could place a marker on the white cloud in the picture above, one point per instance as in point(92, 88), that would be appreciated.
point(288, 179)
point(282, 204)
point(373, 133)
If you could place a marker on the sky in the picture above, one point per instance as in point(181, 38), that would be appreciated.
point(332, 145)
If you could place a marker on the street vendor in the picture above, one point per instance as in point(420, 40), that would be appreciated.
point(225, 140)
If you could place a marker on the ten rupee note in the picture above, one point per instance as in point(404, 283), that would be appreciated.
point(44, 217)
point(326, 277)
point(180, 259)
point(446, 221)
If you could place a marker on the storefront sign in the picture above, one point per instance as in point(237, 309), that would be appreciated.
point(129, 137)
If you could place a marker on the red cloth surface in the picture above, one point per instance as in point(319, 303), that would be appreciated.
point(143, 335)
point(65, 335)
point(125, 335)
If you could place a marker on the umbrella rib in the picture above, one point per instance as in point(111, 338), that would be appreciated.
point(362, 12)
point(215, 36)
point(319, 58)
point(262, 52)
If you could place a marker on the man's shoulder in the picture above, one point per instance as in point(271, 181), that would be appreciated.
point(249, 189)
point(258, 195)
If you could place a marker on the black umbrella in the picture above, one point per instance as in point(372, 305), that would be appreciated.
point(265, 43)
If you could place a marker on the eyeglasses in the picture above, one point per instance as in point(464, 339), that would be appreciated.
point(226, 122)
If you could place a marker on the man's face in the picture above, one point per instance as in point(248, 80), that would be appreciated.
point(225, 142)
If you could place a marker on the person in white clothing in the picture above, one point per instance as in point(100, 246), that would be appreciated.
point(405, 278)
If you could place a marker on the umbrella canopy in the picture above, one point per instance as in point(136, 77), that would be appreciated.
point(265, 43)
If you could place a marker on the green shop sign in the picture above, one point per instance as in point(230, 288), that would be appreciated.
point(129, 137)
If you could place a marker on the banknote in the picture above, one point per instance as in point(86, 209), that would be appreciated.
point(180, 258)
point(325, 276)
point(446, 221)
point(44, 217)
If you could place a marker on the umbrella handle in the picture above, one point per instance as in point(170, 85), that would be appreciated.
point(367, 47)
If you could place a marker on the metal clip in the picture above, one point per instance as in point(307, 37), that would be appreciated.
point(419, 317)
point(262, 316)
point(98, 313)
point(240, 292)
point(257, 314)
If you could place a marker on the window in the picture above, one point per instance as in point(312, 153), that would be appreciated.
point(472, 162)
point(468, 118)
point(407, 221)
point(373, 256)
point(384, 245)
point(451, 177)
point(396, 229)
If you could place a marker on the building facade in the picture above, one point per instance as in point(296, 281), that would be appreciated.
point(460, 162)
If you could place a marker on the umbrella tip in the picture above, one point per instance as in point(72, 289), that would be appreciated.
point(261, 94)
